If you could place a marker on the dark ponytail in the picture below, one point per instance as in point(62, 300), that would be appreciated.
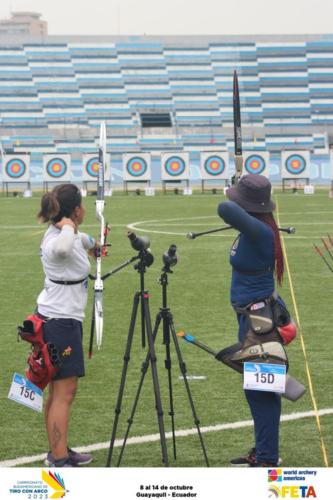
point(60, 202)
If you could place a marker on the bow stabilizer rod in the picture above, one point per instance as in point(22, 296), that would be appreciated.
point(192, 236)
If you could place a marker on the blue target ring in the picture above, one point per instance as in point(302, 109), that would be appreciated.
point(175, 166)
point(56, 167)
point(255, 164)
point(214, 165)
point(92, 167)
point(15, 168)
point(295, 164)
point(136, 166)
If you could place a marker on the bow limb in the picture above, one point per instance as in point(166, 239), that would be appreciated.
point(99, 286)
point(237, 130)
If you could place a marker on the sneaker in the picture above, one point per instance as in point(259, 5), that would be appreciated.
point(250, 460)
point(64, 462)
point(75, 457)
point(246, 460)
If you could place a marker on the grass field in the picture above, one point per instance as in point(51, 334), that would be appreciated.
point(198, 295)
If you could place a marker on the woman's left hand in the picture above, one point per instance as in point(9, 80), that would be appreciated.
point(93, 252)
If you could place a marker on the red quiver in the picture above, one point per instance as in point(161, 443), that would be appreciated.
point(44, 360)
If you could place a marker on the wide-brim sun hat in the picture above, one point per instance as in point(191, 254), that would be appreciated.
point(253, 193)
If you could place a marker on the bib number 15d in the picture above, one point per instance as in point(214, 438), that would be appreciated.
point(264, 378)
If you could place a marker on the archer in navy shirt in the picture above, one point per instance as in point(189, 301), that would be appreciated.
point(251, 257)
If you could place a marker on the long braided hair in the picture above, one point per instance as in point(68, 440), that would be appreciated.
point(268, 219)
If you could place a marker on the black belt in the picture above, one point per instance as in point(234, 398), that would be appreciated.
point(66, 282)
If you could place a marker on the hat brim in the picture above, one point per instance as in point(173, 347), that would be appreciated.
point(250, 206)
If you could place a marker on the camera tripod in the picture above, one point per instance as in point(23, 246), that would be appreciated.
point(164, 316)
point(145, 260)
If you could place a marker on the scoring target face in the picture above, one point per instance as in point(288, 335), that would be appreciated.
point(175, 166)
point(255, 164)
point(92, 167)
point(295, 164)
point(15, 168)
point(136, 166)
point(56, 168)
point(214, 165)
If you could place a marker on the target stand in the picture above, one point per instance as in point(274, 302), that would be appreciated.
point(16, 170)
point(136, 171)
point(295, 167)
point(175, 170)
point(214, 169)
point(56, 170)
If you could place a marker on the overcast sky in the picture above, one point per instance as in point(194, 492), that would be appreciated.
point(154, 17)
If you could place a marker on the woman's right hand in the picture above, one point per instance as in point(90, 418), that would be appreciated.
point(66, 221)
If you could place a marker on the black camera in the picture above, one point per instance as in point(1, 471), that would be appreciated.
point(170, 258)
point(138, 243)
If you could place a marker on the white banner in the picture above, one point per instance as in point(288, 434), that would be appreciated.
point(137, 167)
point(175, 166)
point(295, 164)
point(16, 168)
point(256, 163)
point(57, 168)
point(214, 483)
point(214, 165)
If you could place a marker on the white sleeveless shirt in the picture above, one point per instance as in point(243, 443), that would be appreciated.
point(64, 258)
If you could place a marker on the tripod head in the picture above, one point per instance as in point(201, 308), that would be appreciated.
point(142, 244)
point(146, 259)
point(170, 259)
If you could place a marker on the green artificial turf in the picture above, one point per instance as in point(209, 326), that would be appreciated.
point(198, 296)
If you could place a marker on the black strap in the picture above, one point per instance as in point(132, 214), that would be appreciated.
point(59, 282)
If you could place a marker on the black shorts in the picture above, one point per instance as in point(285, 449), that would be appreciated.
point(66, 334)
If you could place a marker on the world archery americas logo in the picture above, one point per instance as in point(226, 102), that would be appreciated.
point(56, 482)
point(274, 475)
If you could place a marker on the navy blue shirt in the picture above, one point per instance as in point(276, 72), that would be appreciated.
point(252, 255)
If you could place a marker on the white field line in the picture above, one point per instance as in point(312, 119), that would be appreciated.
point(36, 226)
point(156, 437)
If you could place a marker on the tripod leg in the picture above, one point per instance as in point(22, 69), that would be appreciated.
point(156, 384)
point(144, 369)
point(92, 329)
point(123, 375)
point(182, 366)
point(167, 363)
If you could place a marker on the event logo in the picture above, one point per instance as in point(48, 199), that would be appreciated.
point(290, 491)
point(56, 482)
point(274, 475)
point(50, 486)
